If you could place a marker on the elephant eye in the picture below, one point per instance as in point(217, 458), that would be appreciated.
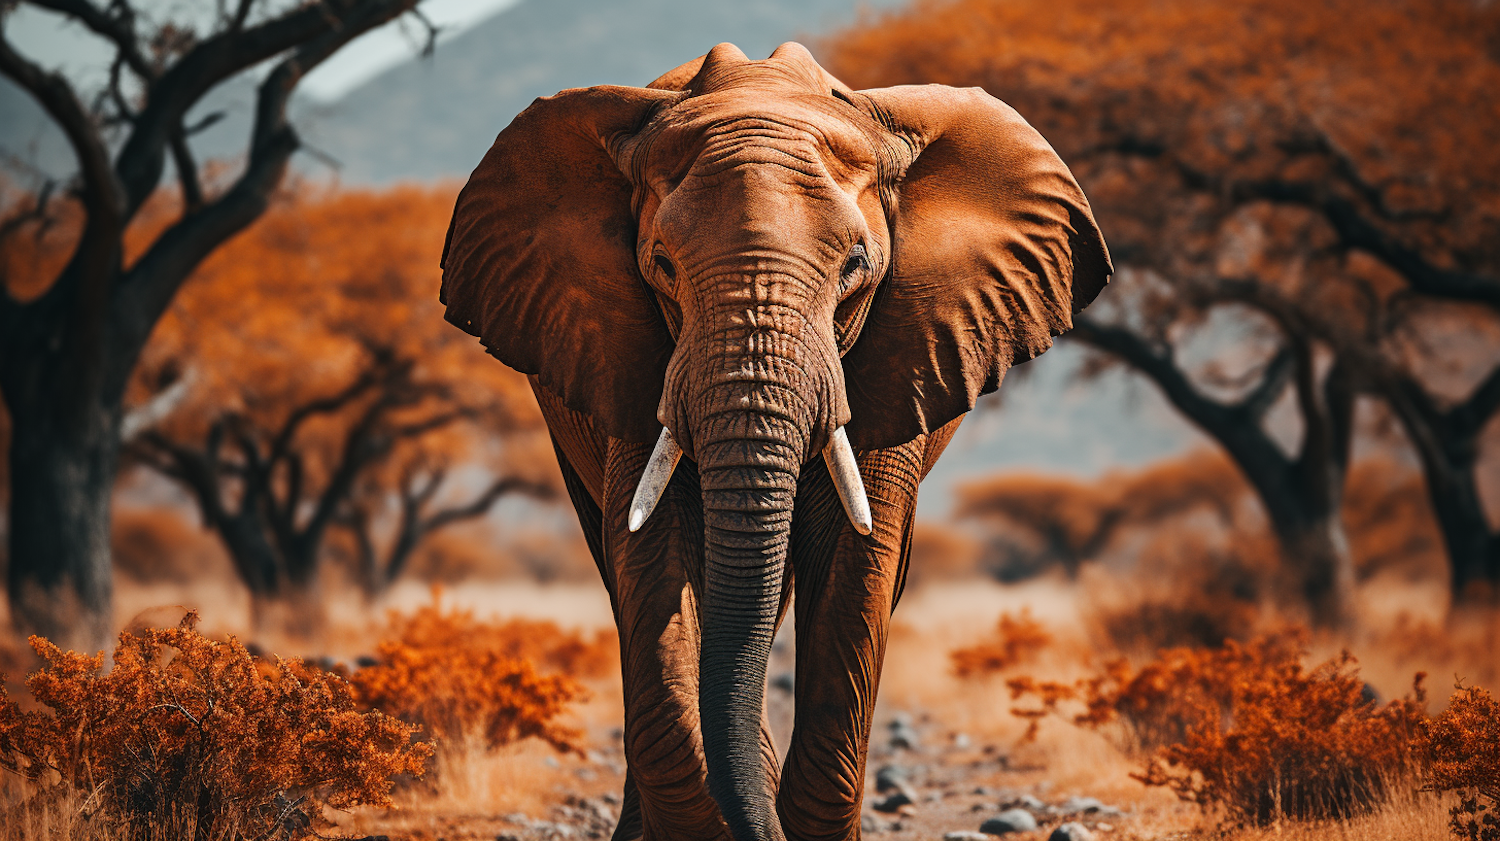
point(665, 264)
point(856, 263)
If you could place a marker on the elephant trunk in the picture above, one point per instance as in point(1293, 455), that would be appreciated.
point(748, 489)
point(751, 441)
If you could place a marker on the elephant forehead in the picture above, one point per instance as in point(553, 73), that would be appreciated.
point(807, 132)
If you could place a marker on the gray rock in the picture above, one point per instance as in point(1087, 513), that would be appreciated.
point(1071, 832)
point(966, 835)
point(1011, 820)
point(893, 802)
point(786, 682)
point(903, 735)
point(1027, 802)
point(1086, 806)
point(870, 823)
point(891, 778)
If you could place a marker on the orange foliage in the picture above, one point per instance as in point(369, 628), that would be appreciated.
point(284, 314)
point(1017, 639)
point(463, 679)
point(1227, 86)
point(1068, 521)
point(185, 737)
point(306, 367)
point(1247, 728)
point(1267, 173)
point(1463, 745)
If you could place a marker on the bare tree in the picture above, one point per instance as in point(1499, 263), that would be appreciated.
point(272, 493)
point(66, 355)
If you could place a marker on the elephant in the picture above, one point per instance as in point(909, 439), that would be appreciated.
point(754, 305)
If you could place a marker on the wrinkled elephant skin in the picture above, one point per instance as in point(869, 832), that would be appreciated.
point(754, 304)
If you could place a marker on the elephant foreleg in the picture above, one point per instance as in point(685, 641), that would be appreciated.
point(656, 611)
point(846, 589)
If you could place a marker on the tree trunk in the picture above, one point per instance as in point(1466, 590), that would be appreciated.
point(64, 454)
point(1473, 551)
point(1319, 552)
point(1304, 514)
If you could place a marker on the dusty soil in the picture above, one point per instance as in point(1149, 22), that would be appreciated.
point(963, 757)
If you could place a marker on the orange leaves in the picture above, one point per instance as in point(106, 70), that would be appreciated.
point(462, 679)
point(1463, 749)
point(1017, 639)
point(1247, 728)
point(188, 737)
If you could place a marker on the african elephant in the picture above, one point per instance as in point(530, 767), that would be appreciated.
point(748, 265)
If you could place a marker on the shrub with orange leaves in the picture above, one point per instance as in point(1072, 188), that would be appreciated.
point(1247, 728)
point(464, 680)
point(187, 737)
point(1463, 749)
point(1016, 640)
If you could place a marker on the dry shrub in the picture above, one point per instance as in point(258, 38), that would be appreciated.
point(1245, 727)
point(1463, 748)
point(465, 680)
point(1017, 639)
point(185, 737)
point(1207, 588)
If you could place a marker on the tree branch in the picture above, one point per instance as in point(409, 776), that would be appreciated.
point(1354, 230)
point(1357, 232)
point(319, 28)
point(1277, 373)
point(1470, 416)
point(155, 278)
point(414, 528)
point(119, 31)
point(1234, 427)
point(84, 285)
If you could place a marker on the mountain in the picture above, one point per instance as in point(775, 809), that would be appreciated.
point(434, 118)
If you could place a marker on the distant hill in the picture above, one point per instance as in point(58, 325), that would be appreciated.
point(435, 118)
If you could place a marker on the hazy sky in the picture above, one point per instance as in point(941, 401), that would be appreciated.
point(56, 42)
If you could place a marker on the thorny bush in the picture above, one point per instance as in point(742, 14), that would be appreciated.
point(1017, 639)
point(1463, 752)
point(185, 737)
point(463, 679)
point(1245, 727)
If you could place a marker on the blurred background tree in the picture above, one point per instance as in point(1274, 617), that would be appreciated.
point(319, 401)
point(71, 332)
point(1302, 200)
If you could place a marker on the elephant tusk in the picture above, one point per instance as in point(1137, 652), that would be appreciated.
point(840, 458)
point(654, 481)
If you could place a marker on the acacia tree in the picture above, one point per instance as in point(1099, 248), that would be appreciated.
point(339, 411)
point(1043, 520)
point(66, 354)
point(1283, 185)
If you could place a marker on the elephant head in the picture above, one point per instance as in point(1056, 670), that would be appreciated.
point(752, 264)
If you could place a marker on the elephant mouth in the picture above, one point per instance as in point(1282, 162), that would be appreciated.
point(838, 455)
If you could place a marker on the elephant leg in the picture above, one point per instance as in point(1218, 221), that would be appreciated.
point(847, 586)
point(656, 573)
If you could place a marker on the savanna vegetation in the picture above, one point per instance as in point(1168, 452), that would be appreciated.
point(246, 380)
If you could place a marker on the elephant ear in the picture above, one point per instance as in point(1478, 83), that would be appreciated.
point(540, 259)
point(995, 248)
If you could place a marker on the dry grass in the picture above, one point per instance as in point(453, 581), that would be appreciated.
point(187, 737)
point(479, 793)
